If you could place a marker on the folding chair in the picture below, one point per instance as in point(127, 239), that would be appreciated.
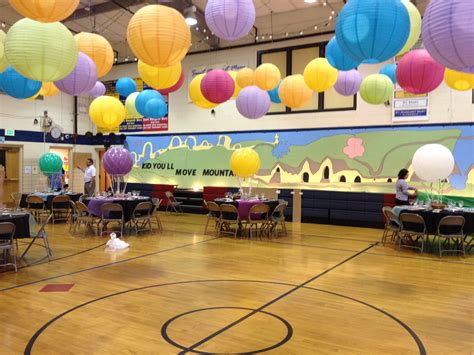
point(155, 216)
point(213, 215)
point(111, 213)
point(412, 232)
point(258, 218)
point(172, 204)
point(36, 206)
point(278, 218)
point(7, 245)
point(451, 228)
point(40, 234)
point(61, 208)
point(84, 217)
point(229, 217)
point(392, 225)
point(141, 217)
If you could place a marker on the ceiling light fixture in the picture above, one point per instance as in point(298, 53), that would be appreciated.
point(310, 1)
point(190, 16)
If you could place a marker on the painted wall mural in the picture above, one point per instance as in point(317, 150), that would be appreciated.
point(335, 159)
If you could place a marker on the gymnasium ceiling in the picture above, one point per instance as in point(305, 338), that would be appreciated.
point(275, 19)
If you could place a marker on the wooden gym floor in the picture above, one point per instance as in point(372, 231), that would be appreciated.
point(321, 290)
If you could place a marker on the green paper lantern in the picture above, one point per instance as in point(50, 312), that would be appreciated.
point(3, 57)
point(45, 52)
point(376, 89)
point(50, 164)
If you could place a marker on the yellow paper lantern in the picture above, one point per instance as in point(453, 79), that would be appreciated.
point(294, 92)
point(267, 76)
point(98, 49)
point(237, 89)
point(159, 36)
point(245, 77)
point(41, 51)
point(319, 75)
point(48, 89)
point(245, 162)
point(3, 57)
point(415, 26)
point(159, 78)
point(45, 10)
point(107, 112)
point(196, 95)
point(458, 80)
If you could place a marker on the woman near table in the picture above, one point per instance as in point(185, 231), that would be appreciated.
point(402, 189)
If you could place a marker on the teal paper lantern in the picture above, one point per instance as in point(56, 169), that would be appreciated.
point(390, 70)
point(50, 164)
point(274, 96)
point(17, 86)
point(337, 58)
point(125, 86)
point(156, 108)
point(45, 52)
point(143, 98)
point(372, 31)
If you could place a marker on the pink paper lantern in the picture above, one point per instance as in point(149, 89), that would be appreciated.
point(217, 86)
point(419, 73)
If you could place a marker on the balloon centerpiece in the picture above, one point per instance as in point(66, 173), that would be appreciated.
point(118, 162)
point(50, 164)
point(245, 163)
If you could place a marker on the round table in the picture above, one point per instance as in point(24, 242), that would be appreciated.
point(244, 206)
point(128, 204)
point(21, 221)
point(432, 219)
point(48, 197)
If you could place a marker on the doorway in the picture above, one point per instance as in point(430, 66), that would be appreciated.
point(64, 153)
point(11, 162)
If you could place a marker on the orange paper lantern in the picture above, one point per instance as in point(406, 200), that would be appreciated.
point(294, 92)
point(98, 49)
point(48, 89)
point(245, 77)
point(45, 10)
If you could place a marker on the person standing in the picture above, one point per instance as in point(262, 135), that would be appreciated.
point(89, 177)
point(402, 188)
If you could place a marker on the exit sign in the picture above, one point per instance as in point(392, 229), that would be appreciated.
point(9, 132)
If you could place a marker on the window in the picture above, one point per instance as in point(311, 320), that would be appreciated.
point(293, 60)
point(342, 179)
point(326, 172)
point(305, 177)
point(357, 180)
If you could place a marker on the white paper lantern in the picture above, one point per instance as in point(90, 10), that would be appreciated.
point(433, 162)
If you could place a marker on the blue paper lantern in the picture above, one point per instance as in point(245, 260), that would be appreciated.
point(337, 58)
point(372, 30)
point(390, 70)
point(125, 86)
point(274, 95)
point(156, 108)
point(144, 97)
point(17, 86)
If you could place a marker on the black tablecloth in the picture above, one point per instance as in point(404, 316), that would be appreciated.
point(432, 219)
point(127, 205)
point(21, 222)
point(49, 201)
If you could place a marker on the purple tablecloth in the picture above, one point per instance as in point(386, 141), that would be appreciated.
point(94, 205)
point(244, 207)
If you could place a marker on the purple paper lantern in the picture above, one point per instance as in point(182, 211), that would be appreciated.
point(117, 161)
point(348, 82)
point(82, 79)
point(97, 90)
point(217, 86)
point(448, 33)
point(253, 102)
point(230, 19)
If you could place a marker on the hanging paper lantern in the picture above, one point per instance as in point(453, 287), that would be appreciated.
point(459, 80)
point(376, 89)
point(144, 97)
point(253, 102)
point(117, 161)
point(337, 58)
point(130, 105)
point(418, 73)
point(230, 19)
point(98, 49)
point(156, 108)
point(3, 57)
point(45, 10)
point(98, 90)
point(81, 80)
point(125, 86)
point(433, 162)
point(196, 95)
point(17, 86)
point(245, 77)
point(274, 97)
point(107, 112)
point(217, 86)
point(348, 82)
point(294, 92)
point(245, 162)
point(159, 78)
point(267, 76)
point(159, 36)
point(415, 26)
point(48, 89)
point(372, 30)
point(50, 164)
point(319, 75)
point(448, 33)
point(175, 87)
point(390, 70)
point(237, 89)
point(41, 51)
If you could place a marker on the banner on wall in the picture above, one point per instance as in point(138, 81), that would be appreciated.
point(336, 159)
point(136, 124)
